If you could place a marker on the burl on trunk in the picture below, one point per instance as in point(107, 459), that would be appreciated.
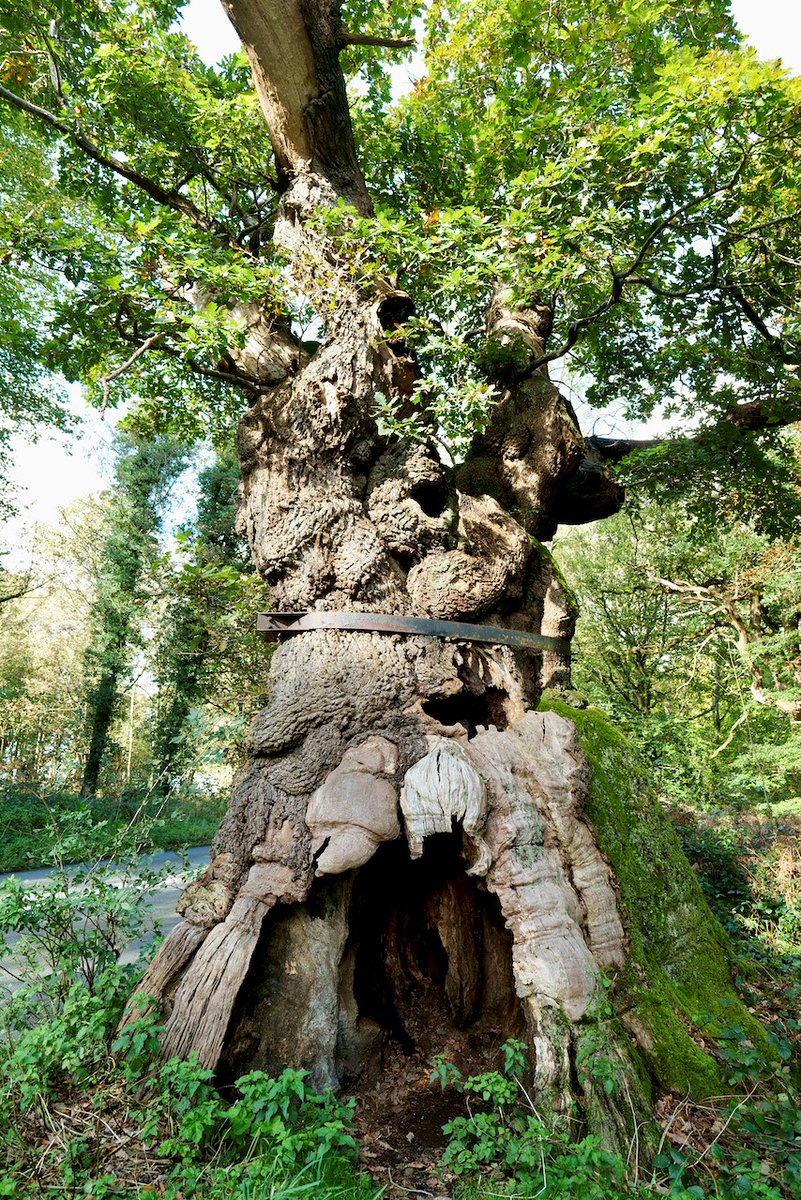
point(406, 859)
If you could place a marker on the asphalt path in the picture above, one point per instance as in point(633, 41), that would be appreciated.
point(162, 900)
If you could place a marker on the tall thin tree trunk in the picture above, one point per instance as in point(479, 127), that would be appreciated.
point(101, 706)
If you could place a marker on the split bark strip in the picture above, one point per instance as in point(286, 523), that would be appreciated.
point(208, 991)
point(175, 953)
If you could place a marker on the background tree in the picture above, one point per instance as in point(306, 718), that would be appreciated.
point(208, 652)
point(675, 628)
point(144, 473)
point(44, 633)
point(49, 624)
point(621, 187)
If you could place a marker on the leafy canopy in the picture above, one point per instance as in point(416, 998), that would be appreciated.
point(632, 165)
point(115, 250)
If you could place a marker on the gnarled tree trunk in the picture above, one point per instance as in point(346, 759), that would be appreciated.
point(406, 859)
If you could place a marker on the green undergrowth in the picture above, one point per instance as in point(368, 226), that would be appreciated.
point(501, 1146)
point(749, 866)
point(38, 829)
point(677, 990)
point(87, 1111)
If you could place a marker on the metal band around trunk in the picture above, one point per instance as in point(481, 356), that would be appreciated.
point(276, 625)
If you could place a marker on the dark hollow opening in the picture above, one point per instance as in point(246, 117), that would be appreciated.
point(470, 710)
point(432, 496)
point(429, 959)
point(394, 310)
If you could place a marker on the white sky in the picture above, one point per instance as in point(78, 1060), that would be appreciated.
point(205, 22)
point(772, 26)
point(58, 469)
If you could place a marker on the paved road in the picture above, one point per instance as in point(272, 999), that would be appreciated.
point(163, 899)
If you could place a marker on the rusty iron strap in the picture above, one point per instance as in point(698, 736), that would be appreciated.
point(276, 625)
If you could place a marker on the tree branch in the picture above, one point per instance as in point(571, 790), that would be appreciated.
point(615, 449)
point(126, 366)
point(157, 342)
point(629, 276)
point(724, 745)
point(364, 39)
point(745, 640)
point(754, 317)
point(750, 417)
point(171, 199)
point(18, 589)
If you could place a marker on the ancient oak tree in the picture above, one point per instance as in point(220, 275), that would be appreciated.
point(417, 857)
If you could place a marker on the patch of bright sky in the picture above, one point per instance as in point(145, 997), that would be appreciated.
point(59, 469)
point(51, 473)
point(205, 23)
point(773, 28)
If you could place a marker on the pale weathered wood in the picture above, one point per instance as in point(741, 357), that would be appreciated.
point(441, 790)
point(293, 48)
point(208, 991)
point(163, 974)
point(355, 808)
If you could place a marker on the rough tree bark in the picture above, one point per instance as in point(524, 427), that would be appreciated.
point(406, 859)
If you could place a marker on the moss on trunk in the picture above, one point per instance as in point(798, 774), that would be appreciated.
point(676, 991)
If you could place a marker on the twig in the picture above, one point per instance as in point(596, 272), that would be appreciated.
point(634, 1147)
point(742, 717)
point(129, 362)
point(409, 1191)
point(669, 1125)
point(512, 1195)
point(727, 1122)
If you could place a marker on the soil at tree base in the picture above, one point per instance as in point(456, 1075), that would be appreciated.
point(400, 1117)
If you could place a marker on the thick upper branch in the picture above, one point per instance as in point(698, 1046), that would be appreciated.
point(749, 417)
point(532, 457)
point(366, 39)
point(294, 46)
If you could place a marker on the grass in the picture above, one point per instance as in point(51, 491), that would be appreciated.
point(38, 829)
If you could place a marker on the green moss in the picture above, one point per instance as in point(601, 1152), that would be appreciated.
point(678, 980)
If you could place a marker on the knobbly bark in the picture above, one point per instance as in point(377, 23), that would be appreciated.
point(405, 860)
